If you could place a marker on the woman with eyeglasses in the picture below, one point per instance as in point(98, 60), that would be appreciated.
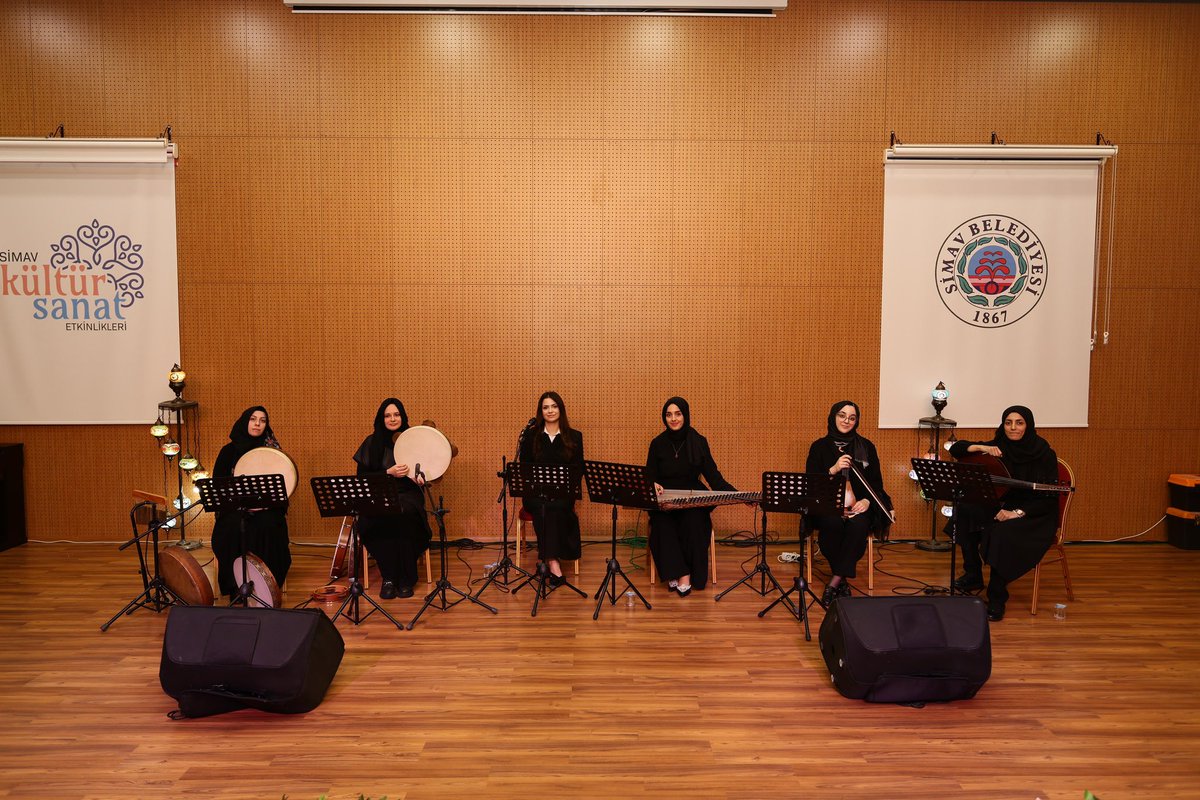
point(1013, 538)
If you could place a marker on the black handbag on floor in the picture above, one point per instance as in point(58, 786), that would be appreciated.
point(907, 649)
point(216, 660)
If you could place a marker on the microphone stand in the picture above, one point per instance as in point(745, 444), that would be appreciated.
point(443, 584)
point(500, 572)
point(156, 595)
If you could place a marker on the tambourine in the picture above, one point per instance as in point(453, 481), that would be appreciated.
point(264, 586)
point(269, 461)
point(424, 445)
point(330, 593)
point(184, 576)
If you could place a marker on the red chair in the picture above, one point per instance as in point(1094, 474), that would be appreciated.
point(1057, 553)
point(524, 518)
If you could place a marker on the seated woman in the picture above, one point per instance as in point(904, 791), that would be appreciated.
point(554, 441)
point(266, 530)
point(843, 537)
point(679, 539)
point(1013, 538)
point(395, 541)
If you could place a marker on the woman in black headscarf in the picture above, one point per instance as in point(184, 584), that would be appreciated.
point(266, 530)
point(553, 441)
point(1013, 539)
point(843, 537)
point(395, 541)
point(679, 539)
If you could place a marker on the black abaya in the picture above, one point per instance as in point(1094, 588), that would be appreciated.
point(266, 530)
point(1015, 546)
point(554, 521)
point(395, 541)
point(679, 540)
point(843, 540)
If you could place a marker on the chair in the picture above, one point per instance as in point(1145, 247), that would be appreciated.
point(428, 571)
point(524, 517)
point(808, 560)
point(1057, 553)
point(712, 560)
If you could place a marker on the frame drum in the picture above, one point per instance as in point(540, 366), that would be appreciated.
point(264, 585)
point(269, 461)
point(184, 576)
point(426, 446)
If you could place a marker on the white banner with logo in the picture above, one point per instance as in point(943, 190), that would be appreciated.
point(89, 299)
point(987, 286)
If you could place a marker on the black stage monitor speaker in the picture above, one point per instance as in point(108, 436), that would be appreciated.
point(907, 649)
point(216, 660)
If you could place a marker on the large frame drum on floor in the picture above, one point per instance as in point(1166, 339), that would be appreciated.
point(907, 649)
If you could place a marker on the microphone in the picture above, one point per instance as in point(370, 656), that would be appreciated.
point(417, 470)
point(846, 471)
point(524, 431)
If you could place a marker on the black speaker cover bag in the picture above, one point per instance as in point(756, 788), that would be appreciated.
point(907, 650)
point(224, 659)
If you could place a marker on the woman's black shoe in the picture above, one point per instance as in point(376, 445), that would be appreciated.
point(684, 592)
point(555, 580)
point(843, 589)
point(404, 591)
point(828, 595)
point(388, 591)
point(995, 613)
point(968, 583)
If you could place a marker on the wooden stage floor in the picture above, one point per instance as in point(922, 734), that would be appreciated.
point(693, 699)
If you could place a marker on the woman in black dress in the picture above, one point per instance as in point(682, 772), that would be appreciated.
point(553, 441)
point(266, 530)
point(677, 459)
point(843, 537)
point(1013, 538)
point(395, 541)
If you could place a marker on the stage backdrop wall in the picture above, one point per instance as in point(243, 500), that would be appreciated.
point(465, 211)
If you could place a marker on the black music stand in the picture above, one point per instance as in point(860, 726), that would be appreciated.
point(545, 482)
point(351, 495)
point(243, 493)
point(954, 482)
point(155, 595)
point(618, 485)
point(499, 573)
point(443, 584)
point(800, 493)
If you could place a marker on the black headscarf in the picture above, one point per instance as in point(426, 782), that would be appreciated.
point(382, 437)
point(240, 436)
point(241, 442)
point(849, 443)
point(1029, 448)
point(681, 434)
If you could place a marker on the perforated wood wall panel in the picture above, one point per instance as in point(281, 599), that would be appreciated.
point(464, 211)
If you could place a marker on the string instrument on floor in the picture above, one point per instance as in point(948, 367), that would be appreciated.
point(342, 566)
point(674, 499)
point(1003, 481)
